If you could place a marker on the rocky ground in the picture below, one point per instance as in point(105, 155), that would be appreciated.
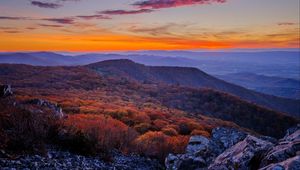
point(64, 160)
point(229, 149)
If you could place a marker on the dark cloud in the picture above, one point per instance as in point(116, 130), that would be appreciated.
point(286, 23)
point(125, 12)
point(65, 20)
point(46, 4)
point(93, 17)
point(51, 25)
point(60, 20)
point(156, 4)
point(30, 28)
point(12, 18)
point(6, 28)
point(71, 20)
point(278, 35)
point(52, 5)
point(12, 31)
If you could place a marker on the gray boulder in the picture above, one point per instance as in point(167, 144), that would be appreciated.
point(5, 90)
point(224, 138)
point(286, 148)
point(198, 148)
point(197, 143)
point(292, 130)
point(48, 105)
point(243, 155)
point(184, 161)
point(289, 164)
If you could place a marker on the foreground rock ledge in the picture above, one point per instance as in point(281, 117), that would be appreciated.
point(230, 149)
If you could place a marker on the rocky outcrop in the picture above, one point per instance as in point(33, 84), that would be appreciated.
point(48, 105)
point(201, 151)
point(286, 149)
point(5, 90)
point(225, 138)
point(289, 164)
point(243, 155)
point(230, 149)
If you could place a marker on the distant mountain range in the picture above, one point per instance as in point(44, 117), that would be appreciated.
point(278, 86)
point(272, 63)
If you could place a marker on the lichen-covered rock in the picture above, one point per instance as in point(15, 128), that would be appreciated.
point(5, 90)
point(242, 155)
point(289, 164)
point(286, 148)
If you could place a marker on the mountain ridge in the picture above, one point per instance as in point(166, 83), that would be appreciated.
point(273, 85)
point(190, 77)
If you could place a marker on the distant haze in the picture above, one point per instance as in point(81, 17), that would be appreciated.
point(283, 64)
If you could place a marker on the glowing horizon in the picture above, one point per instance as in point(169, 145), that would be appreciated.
point(99, 25)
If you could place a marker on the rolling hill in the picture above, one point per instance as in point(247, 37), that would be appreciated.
point(82, 90)
point(191, 77)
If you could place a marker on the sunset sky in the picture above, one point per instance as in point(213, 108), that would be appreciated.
point(107, 25)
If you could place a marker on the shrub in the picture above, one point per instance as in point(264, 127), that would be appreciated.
point(159, 145)
point(169, 131)
point(159, 124)
point(173, 126)
point(129, 117)
point(155, 115)
point(184, 128)
point(153, 144)
point(200, 132)
point(142, 127)
point(96, 134)
point(178, 144)
point(26, 130)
